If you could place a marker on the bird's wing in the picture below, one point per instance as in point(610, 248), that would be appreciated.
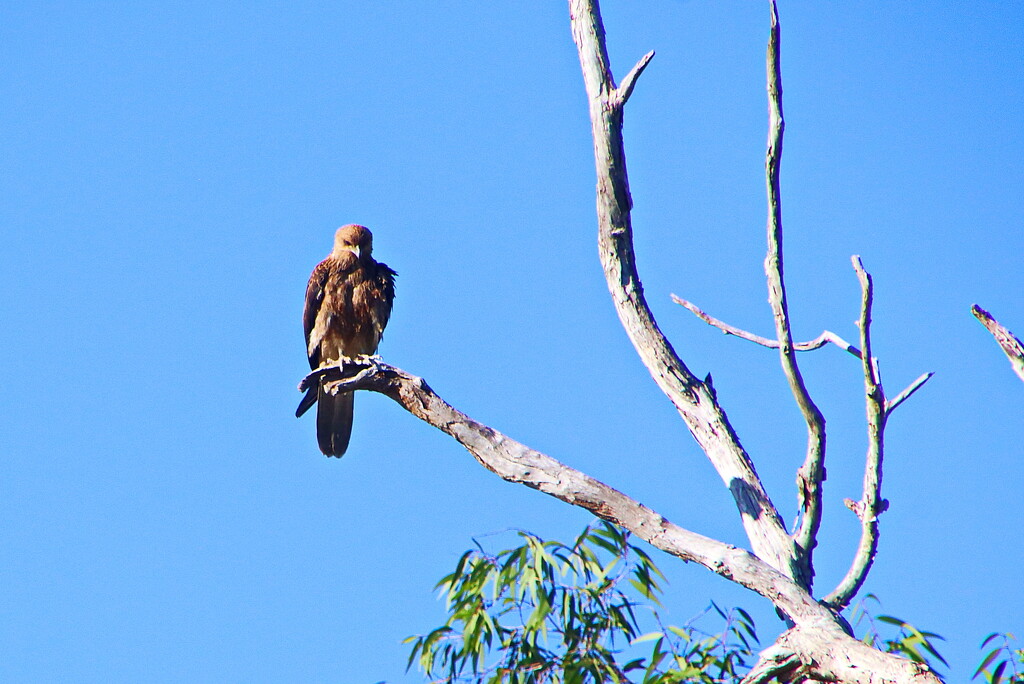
point(385, 297)
point(311, 310)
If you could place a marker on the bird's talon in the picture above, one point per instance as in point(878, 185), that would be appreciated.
point(372, 361)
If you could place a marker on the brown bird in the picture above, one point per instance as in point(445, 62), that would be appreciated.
point(348, 303)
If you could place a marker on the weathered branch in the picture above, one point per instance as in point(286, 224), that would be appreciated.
point(826, 652)
point(878, 413)
point(812, 473)
point(775, 664)
point(818, 342)
point(625, 88)
point(871, 504)
point(817, 641)
point(799, 656)
point(1010, 345)
point(891, 404)
point(694, 400)
point(518, 463)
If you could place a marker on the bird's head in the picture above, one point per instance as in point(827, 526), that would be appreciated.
point(353, 239)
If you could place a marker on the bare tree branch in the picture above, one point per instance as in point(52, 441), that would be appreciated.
point(818, 342)
point(812, 473)
point(872, 481)
point(818, 642)
point(518, 463)
point(1010, 345)
point(775, 664)
point(871, 504)
point(833, 660)
point(891, 404)
point(694, 400)
point(625, 88)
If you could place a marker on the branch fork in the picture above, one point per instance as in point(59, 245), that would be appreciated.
point(694, 400)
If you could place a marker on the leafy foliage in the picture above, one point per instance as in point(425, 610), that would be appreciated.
point(1003, 664)
point(909, 641)
point(545, 612)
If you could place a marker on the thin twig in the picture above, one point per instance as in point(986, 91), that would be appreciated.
point(891, 404)
point(812, 473)
point(625, 88)
point(1010, 345)
point(818, 342)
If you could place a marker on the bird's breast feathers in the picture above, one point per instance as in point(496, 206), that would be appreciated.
point(352, 308)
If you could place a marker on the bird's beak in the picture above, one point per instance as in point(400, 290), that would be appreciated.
point(355, 250)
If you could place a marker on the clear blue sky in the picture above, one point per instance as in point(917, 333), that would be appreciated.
point(172, 172)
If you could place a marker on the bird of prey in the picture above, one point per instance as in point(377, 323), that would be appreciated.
point(348, 303)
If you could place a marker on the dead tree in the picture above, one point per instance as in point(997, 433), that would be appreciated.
point(817, 646)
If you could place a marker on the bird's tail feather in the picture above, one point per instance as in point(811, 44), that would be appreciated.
point(308, 399)
point(334, 422)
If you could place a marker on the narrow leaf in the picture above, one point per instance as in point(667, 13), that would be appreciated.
point(997, 674)
point(987, 661)
point(989, 638)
